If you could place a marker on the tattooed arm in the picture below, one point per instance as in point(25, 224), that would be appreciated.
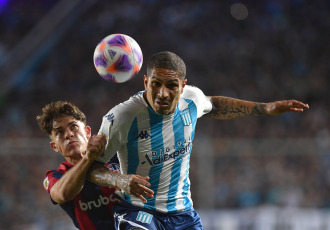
point(130, 184)
point(230, 108)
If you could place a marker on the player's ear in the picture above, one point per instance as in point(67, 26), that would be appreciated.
point(184, 82)
point(53, 146)
point(88, 131)
point(145, 80)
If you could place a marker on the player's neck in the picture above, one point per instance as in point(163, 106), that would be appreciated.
point(72, 161)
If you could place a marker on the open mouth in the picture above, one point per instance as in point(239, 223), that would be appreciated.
point(162, 104)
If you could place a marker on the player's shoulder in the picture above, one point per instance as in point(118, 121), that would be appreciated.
point(191, 92)
point(134, 104)
point(127, 109)
point(53, 175)
point(62, 168)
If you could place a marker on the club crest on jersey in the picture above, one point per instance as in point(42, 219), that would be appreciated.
point(185, 117)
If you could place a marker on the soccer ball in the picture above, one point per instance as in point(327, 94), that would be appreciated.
point(118, 58)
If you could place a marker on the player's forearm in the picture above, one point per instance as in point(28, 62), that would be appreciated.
point(102, 176)
point(71, 182)
point(130, 184)
point(230, 108)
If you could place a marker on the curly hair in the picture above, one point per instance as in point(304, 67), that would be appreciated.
point(57, 109)
point(167, 60)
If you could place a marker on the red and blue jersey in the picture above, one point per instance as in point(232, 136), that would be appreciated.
point(91, 209)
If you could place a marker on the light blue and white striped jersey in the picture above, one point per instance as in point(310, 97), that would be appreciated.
point(155, 145)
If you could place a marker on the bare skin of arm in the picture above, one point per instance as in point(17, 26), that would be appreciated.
point(70, 184)
point(130, 184)
point(224, 108)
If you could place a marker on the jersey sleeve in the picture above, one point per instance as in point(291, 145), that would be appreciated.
point(52, 176)
point(115, 126)
point(112, 129)
point(203, 103)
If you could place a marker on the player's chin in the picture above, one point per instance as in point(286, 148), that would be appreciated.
point(74, 150)
point(163, 111)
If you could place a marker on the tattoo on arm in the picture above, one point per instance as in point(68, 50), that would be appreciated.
point(229, 108)
point(123, 183)
point(258, 109)
point(101, 175)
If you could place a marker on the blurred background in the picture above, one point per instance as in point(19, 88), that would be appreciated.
point(263, 173)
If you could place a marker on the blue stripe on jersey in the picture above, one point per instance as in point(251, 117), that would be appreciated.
point(178, 130)
point(132, 148)
point(132, 151)
point(93, 196)
point(193, 115)
point(69, 208)
point(57, 174)
point(156, 126)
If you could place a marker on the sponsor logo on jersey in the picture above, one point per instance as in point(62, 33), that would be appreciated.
point(155, 158)
point(144, 135)
point(185, 117)
point(103, 200)
point(110, 117)
point(144, 217)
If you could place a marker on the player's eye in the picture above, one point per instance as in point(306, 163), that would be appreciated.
point(172, 86)
point(59, 132)
point(74, 127)
point(155, 84)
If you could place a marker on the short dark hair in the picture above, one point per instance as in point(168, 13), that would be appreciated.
point(57, 109)
point(167, 60)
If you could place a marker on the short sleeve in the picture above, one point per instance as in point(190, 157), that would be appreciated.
point(110, 131)
point(203, 103)
point(52, 176)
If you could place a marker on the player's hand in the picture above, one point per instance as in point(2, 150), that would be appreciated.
point(135, 185)
point(95, 146)
point(279, 107)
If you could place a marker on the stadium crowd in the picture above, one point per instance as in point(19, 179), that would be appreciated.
point(280, 51)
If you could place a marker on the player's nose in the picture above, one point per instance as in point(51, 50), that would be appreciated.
point(68, 134)
point(163, 92)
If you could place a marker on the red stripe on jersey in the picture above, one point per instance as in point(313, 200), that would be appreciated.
point(109, 192)
point(82, 216)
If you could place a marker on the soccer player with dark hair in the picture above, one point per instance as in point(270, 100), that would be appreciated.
point(152, 134)
point(89, 205)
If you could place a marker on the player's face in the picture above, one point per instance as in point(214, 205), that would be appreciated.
point(163, 89)
point(69, 137)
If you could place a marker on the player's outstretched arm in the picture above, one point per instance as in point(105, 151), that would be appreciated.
point(130, 184)
point(230, 108)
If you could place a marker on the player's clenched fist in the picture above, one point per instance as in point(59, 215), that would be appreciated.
point(95, 146)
